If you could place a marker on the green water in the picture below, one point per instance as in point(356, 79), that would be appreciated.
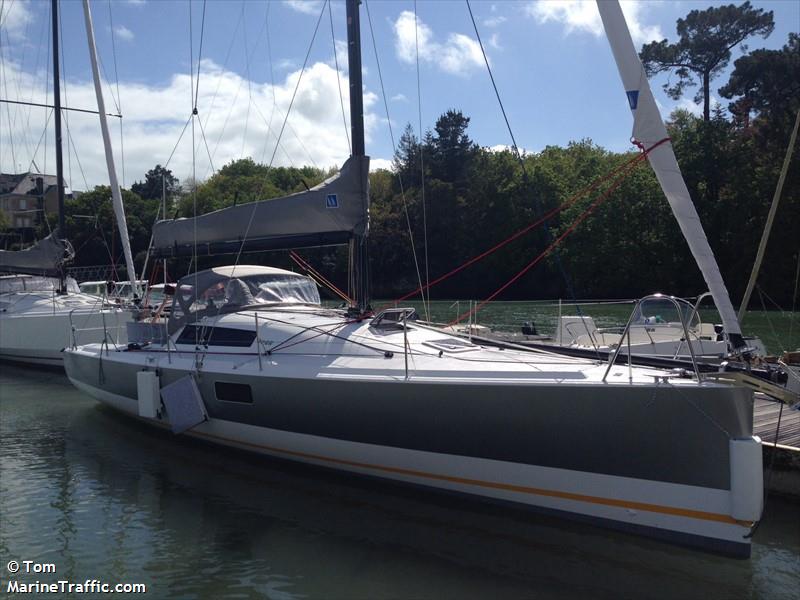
point(103, 497)
point(780, 331)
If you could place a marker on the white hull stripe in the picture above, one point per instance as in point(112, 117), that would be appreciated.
point(654, 508)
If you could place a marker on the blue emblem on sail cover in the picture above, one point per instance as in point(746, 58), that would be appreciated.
point(633, 98)
point(331, 201)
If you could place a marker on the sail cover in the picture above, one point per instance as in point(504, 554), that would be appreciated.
point(330, 213)
point(43, 258)
point(649, 129)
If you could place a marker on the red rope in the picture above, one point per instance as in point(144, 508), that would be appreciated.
point(626, 169)
point(305, 265)
point(568, 203)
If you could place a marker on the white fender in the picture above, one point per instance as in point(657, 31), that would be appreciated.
point(747, 479)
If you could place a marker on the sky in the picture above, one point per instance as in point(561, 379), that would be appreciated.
point(550, 60)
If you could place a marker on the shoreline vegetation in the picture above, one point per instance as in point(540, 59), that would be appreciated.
point(475, 197)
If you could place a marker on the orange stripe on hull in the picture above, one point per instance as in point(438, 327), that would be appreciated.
point(655, 508)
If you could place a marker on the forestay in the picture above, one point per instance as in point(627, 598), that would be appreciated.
point(330, 213)
point(649, 130)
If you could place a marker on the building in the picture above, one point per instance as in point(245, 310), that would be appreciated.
point(26, 197)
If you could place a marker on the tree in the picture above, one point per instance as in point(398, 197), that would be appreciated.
point(703, 50)
point(767, 82)
point(452, 146)
point(152, 186)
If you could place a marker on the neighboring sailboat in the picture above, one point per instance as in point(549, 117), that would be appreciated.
point(250, 359)
point(41, 310)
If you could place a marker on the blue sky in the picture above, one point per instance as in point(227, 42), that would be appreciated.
point(550, 59)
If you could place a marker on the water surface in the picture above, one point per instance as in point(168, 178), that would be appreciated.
point(104, 497)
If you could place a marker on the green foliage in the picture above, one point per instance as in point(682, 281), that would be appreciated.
point(243, 181)
point(92, 230)
point(766, 82)
point(157, 181)
point(703, 50)
point(474, 198)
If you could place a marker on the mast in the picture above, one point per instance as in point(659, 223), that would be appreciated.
point(361, 257)
point(762, 246)
point(116, 194)
point(649, 132)
point(62, 230)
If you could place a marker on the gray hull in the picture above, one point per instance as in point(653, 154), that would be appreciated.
point(619, 433)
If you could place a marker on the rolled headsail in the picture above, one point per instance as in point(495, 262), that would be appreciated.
point(330, 213)
point(649, 130)
point(46, 257)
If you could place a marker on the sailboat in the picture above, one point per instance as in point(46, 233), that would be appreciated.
point(42, 311)
point(249, 358)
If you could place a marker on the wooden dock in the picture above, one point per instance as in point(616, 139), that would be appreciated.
point(765, 423)
point(781, 462)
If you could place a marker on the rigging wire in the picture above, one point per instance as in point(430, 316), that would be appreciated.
point(297, 85)
point(8, 111)
point(338, 79)
point(794, 297)
point(119, 96)
point(249, 84)
point(775, 336)
point(425, 303)
point(547, 234)
point(47, 79)
point(200, 56)
point(66, 100)
point(271, 83)
point(201, 357)
point(551, 213)
point(620, 178)
point(394, 150)
point(194, 161)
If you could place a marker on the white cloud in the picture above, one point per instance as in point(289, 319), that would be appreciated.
point(123, 33)
point(284, 64)
point(582, 16)
point(340, 47)
point(14, 16)
point(136, 2)
point(494, 21)
point(494, 41)
point(380, 163)
point(457, 55)
point(307, 7)
point(399, 98)
point(686, 103)
point(155, 116)
point(506, 147)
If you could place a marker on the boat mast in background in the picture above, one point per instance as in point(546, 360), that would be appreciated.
point(116, 194)
point(361, 255)
point(650, 133)
point(62, 228)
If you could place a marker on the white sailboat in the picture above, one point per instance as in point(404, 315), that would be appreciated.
point(41, 310)
point(250, 359)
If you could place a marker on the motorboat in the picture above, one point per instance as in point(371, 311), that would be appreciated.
point(656, 329)
point(249, 358)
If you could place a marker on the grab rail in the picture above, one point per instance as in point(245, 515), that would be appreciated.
point(627, 332)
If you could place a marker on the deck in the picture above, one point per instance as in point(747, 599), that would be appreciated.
point(765, 421)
